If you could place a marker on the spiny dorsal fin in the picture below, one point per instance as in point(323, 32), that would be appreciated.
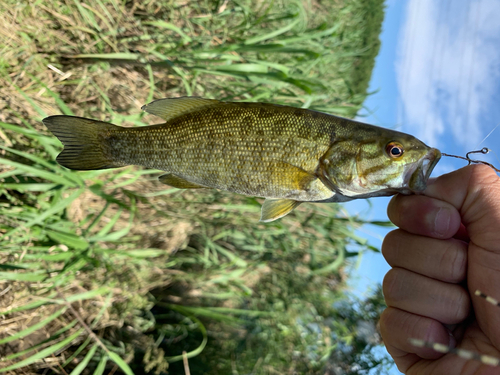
point(170, 108)
point(178, 182)
point(273, 209)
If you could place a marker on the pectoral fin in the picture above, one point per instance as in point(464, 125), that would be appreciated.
point(178, 182)
point(273, 209)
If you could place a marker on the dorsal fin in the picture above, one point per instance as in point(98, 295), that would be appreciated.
point(170, 108)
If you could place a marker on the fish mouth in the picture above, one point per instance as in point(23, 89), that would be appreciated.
point(418, 173)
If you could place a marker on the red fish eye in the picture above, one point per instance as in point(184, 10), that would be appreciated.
point(394, 149)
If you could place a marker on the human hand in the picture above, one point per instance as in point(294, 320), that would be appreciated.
point(447, 247)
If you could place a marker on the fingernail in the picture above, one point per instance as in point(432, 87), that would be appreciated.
point(452, 341)
point(442, 222)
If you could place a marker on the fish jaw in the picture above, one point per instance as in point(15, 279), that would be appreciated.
point(417, 174)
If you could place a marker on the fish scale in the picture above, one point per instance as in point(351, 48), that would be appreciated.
point(188, 146)
point(284, 154)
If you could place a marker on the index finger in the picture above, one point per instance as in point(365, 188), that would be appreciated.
point(474, 191)
point(425, 216)
point(470, 195)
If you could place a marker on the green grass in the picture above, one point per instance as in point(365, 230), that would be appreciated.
point(106, 271)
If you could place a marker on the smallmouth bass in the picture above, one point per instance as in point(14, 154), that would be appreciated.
point(285, 154)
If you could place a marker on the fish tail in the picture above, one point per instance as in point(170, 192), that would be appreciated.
point(84, 142)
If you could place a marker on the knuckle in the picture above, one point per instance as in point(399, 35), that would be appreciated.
point(390, 243)
point(453, 261)
point(393, 209)
point(392, 286)
point(458, 306)
point(388, 320)
point(384, 321)
point(463, 305)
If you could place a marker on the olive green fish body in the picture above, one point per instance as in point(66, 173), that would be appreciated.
point(245, 148)
point(285, 154)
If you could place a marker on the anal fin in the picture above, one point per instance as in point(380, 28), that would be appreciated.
point(178, 182)
point(273, 209)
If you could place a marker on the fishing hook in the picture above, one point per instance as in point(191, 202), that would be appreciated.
point(483, 151)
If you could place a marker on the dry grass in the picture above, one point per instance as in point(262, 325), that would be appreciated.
point(124, 244)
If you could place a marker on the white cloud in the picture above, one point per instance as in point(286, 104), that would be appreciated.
point(448, 68)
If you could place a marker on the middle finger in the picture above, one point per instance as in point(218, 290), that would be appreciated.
point(444, 260)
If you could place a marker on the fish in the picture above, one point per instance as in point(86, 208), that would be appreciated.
point(284, 154)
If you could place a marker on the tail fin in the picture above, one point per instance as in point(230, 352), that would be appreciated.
point(83, 141)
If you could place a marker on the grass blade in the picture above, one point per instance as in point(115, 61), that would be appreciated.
point(34, 171)
point(200, 348)
point(101, 366)
point(272, 34)
point(43, 353)
point(121, 363)
point(34, 327)
point(83, 364)
point(58, 206)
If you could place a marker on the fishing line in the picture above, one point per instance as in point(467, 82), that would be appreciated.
point(496, 155)
point(485, 138)
point(484, 151)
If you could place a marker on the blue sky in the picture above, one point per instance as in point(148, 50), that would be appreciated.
point(437, 77)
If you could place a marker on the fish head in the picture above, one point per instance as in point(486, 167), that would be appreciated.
point(378, 165)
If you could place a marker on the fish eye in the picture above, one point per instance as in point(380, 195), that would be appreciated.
point(395, 150)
